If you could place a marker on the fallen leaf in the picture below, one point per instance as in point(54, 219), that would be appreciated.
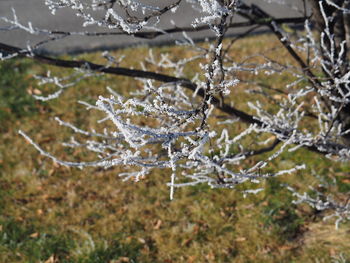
point(36, 92)
point(55, 164)
point(332, 252)
point(39, 212)
point(51, 259)
point(240, 239)
point(286, 247)
point(141, 240)
point(123, 260)
point(251, 206)
point(186, 242)
point(51, 171)
point(30, 90)
point(191, 259)
point(34, 235)
point(282, 212)
point(158, 224)
point(266, 250)
point(210, 257)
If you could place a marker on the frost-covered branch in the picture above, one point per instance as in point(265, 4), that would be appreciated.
point(321, 202)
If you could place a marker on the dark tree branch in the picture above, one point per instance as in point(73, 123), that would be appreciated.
point(262, 150)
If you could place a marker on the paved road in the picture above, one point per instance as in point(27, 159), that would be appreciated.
point(36, 12)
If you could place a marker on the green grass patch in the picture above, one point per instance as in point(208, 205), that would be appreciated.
point(26, 243)
point(15, 87)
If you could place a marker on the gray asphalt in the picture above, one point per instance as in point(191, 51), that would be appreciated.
point(36, 12)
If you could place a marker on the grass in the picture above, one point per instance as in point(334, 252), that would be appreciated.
point(51, 213)
point(21, 240)
point(15, 83)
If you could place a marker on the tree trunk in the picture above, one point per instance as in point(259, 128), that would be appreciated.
point(339, 29)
